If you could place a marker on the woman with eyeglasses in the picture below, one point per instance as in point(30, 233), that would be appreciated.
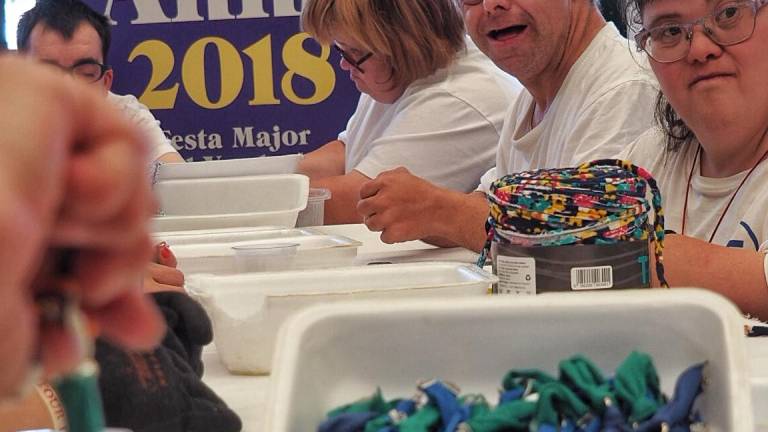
point(431, 101)
point(708, 153)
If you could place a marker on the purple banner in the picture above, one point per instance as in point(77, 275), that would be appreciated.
point(229, 78)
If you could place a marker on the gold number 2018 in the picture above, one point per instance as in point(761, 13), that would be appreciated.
point(299, 62)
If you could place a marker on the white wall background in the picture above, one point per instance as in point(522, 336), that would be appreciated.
point(13, 10)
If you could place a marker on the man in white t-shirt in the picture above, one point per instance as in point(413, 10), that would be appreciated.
point(585, 98)
point(75, 38)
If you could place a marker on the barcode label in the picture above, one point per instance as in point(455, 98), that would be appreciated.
point(586, 278)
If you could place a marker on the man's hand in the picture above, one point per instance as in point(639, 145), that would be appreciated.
point(406, 207)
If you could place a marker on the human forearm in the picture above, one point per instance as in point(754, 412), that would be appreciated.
point(460, 219)
point(327, 161)
point(345, 193)
point(170, 157)
point(735, 273)
point(405, 207)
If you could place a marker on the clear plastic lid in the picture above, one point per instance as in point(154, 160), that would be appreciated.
point(266, 249)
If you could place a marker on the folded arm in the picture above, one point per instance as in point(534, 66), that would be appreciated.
point(738, 274)
point(327, 161)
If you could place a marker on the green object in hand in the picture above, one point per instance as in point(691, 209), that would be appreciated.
point(79, 392)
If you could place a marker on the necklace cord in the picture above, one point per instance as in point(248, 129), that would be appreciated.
point(696, 157)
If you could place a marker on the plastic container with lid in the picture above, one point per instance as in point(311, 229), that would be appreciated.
point(209, 203)
point(314, 250)
point(248, 309)
point(285, 164)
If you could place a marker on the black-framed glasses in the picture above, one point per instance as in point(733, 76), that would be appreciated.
point(88, 70)
point(354, 63)
point(730, 23)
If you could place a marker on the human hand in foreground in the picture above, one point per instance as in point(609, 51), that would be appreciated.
point(72, 179)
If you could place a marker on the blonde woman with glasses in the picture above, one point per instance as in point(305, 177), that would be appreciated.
point(431, 101)
point(709, 150)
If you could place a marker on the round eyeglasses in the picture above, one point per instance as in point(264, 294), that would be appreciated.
point(729, 24)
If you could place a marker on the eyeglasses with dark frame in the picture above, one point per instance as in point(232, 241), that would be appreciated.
point(352, 62)
point(730, 23)
point(88, 70)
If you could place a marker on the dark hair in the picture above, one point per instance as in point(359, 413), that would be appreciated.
point(63, 16)
point(677, 133)
point(611, 10)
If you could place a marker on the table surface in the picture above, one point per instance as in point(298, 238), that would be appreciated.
point(247, 395)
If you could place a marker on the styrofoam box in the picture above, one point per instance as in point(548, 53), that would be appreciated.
point(248, 309)
point(335, 354)
point(217, 235)
point(286, 164)
point(230, 202)
point(759, 402)
point(315, 250)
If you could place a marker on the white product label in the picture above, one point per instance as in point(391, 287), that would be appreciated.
point(517, 275)
point(589, 278)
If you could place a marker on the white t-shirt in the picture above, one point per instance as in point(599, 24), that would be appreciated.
point(145, 122)
point(744, 225)
point(444, 128)
point(604, 104)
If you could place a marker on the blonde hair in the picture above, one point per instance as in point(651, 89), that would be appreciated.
point(416, 37)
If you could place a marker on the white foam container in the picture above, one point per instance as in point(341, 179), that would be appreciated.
point(247, 310)
point(315, 250)
point(760, 402)
point(218, 235)
point(335, 354)
point(286, 164)
point(224, 202)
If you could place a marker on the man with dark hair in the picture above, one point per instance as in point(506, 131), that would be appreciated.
point(71, 35)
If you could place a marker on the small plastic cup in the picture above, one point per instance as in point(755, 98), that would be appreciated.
point(314, 214)
point(261, 257)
